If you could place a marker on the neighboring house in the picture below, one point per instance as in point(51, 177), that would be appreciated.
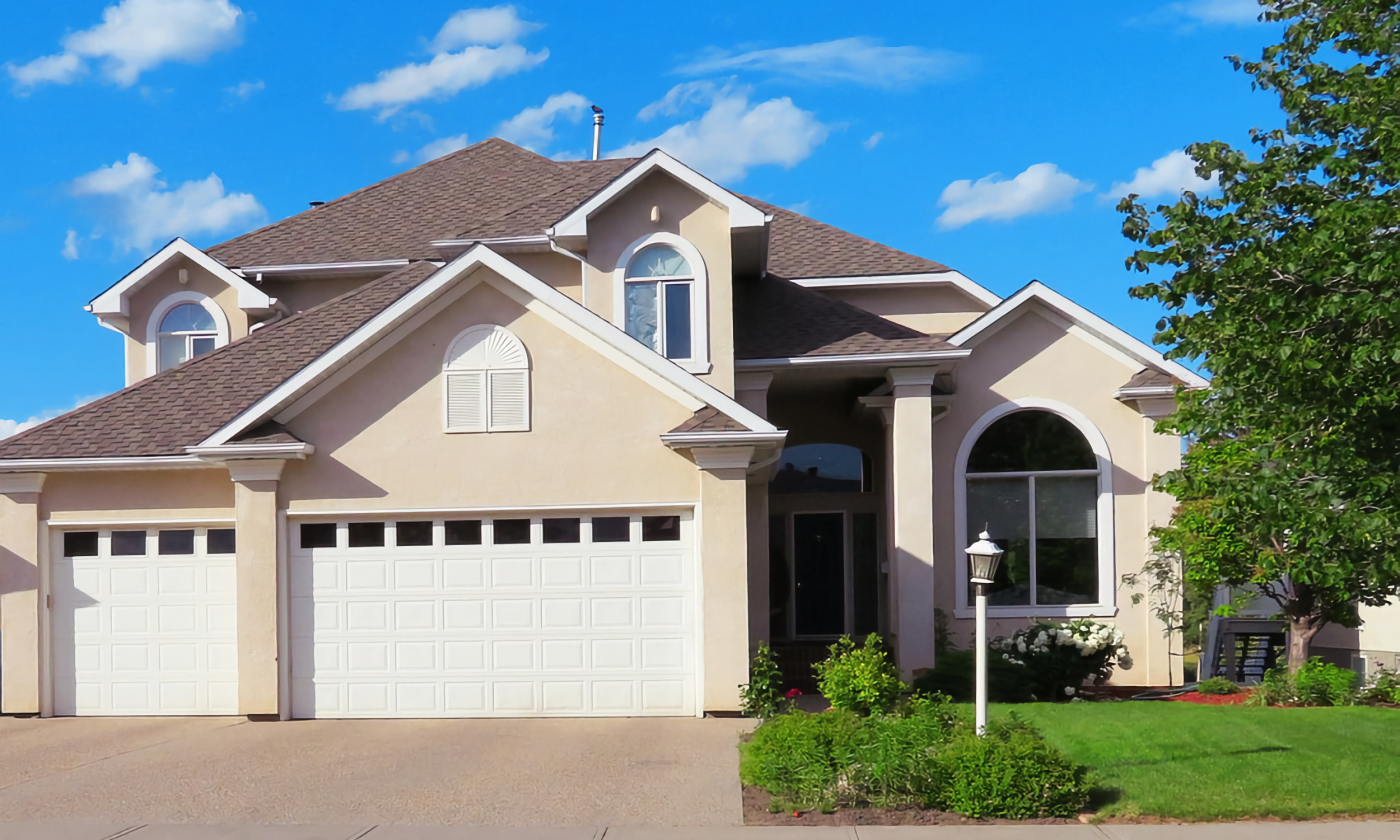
point(502, 435)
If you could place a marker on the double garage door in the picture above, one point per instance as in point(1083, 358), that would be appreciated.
point(445, 617)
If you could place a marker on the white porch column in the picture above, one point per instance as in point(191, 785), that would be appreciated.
point(255, 506)
point(724, 575)
point(911, 503)
point(20, 558)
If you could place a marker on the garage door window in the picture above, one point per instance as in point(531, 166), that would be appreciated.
point(413, 533)
point(318, 535)
point(561, 530)
point(612, 529)
point(176, 542)
point(661, 528)
point(80, 544)
point(462, 532)
point(128, 543)
point(510, 532)
point(366, 534)
point(221, 541)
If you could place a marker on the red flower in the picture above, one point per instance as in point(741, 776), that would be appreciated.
point(794, 692)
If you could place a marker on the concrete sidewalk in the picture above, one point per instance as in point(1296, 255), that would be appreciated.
point(53, 830)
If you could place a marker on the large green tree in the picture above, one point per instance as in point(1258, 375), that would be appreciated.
point(1285, 286)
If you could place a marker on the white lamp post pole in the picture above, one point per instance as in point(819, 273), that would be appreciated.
point(982, 556)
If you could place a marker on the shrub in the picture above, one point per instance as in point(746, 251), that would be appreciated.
point(1217, 685)
point(1011, 772)
point(799, 757)
point(1384, 687)
point(1316, 683)
point(859, 679)
point(954, 673)
point(1058, 657)
point(761, 696)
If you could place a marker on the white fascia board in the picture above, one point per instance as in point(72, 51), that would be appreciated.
point(855, 359)
point(741, 213)
point(951, 278)
point(551, 298)
point(1086, 320)
point(683, 440)
point(1140, 393)
point(114, 301)
point(159, 462)
point(228, 451)
point(536, 239)
point(363, 266)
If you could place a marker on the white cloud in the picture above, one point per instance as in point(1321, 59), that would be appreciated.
point(863, 61)
point(873, 140)
point(803, 208)
point(533, 128)
point(1169, 174)
point(677, 98)
point(734, 136)
point(1042, 188)
point(70, 245)
point(1218, 12)
point(243, 90)
point(401, 156)
point(131, 199)
point(448, 73)
point(139, 35)
point(496, 25)
point(9, 428)
point(438, 148)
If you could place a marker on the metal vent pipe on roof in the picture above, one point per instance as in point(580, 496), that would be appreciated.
point(597, 130)
point(316, 204)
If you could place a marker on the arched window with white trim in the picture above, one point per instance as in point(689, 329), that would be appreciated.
point(1036, 483)
point(486, 382)
point(183, 326)
point(662, 299)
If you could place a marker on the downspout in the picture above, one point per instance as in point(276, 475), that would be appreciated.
point(281, 309)
point(583, 264)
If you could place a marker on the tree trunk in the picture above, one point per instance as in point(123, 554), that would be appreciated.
point(1301, 630)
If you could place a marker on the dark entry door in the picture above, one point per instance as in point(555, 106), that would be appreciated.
point(819, 561)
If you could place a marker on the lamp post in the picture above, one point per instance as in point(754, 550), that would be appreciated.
point(983, 557)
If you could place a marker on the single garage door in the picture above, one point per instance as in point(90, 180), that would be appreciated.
point(494, 616)
point(144, 622)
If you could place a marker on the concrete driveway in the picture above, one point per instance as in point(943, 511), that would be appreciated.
point(639, 771)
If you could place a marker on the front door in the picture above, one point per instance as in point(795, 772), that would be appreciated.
point(819, 554)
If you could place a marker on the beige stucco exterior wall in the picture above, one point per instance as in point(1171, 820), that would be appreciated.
point(256, 560)
point(935, 309)
point(163, 285)
point(561, 272)
point(684, 213)
point(302, 294)
point(724, 581)
point(144, 495)
point(20, 558)
point(593, 440)
point(1031, 357)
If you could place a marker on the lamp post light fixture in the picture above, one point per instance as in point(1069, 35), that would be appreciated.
point(982, 557)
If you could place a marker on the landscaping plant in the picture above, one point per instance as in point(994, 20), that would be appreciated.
point(1281, 282)
point(1012, 773)
point(1316, 683)
point(859, 679)
point(1058, 657)
point(954, 674)
point(761, 696)
point(1217, 685)
point(1384, 687)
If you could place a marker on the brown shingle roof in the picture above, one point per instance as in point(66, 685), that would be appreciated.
point(185, 405)
point(774, 319)
point(801, 247)
point(710, 419)
point(1151, 378)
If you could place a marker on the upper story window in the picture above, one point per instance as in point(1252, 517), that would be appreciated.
point(486, 382)
point(660, 289)
point(660, 301)
point(1034, 483)
point(186, 326)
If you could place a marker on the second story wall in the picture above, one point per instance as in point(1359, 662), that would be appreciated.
point(934, 309)
point(165, 291)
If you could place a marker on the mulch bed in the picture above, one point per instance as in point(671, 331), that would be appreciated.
point(756, 803)
point(1211, 699)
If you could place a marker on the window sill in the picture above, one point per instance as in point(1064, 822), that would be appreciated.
point(698, 368)
point(1075, 611)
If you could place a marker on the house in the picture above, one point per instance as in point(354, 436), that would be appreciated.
point(503, 435)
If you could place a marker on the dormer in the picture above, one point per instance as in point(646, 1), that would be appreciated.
point(178, 304)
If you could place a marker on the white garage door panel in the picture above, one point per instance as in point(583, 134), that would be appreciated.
point(473, 631)
point(145, 635)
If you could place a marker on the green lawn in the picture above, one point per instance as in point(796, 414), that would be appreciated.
point(1211, 763)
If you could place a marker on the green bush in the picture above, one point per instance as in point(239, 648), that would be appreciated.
point(1383, 688)
point(859, 679)
point(1011, 772)
point(761, 696)
point(954, 673)
point(1316, 683)
point(1058, 657)
point(921, 754)
point(1217, 685)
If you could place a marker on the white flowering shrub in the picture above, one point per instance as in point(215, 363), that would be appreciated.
point(1059, 657)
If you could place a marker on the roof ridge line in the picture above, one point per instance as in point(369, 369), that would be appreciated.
point(577, 181)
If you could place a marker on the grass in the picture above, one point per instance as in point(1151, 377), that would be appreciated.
point(1195, 762)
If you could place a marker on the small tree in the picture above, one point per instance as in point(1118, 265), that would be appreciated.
point(1287, 287)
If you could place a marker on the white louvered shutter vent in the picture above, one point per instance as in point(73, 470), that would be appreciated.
point(510, 401)
point(466, 401)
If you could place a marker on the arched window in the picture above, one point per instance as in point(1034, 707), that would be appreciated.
point(1035, 484)
point(186, 331)
point(660, 291)
point(486, 382)
point(821, 468)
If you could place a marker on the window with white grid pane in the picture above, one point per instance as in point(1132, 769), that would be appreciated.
point(486, 382)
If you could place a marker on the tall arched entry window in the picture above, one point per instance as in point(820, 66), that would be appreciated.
point(1037, 485)
point(824, 575)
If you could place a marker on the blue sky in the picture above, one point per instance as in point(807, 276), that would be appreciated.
point(992, 138)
